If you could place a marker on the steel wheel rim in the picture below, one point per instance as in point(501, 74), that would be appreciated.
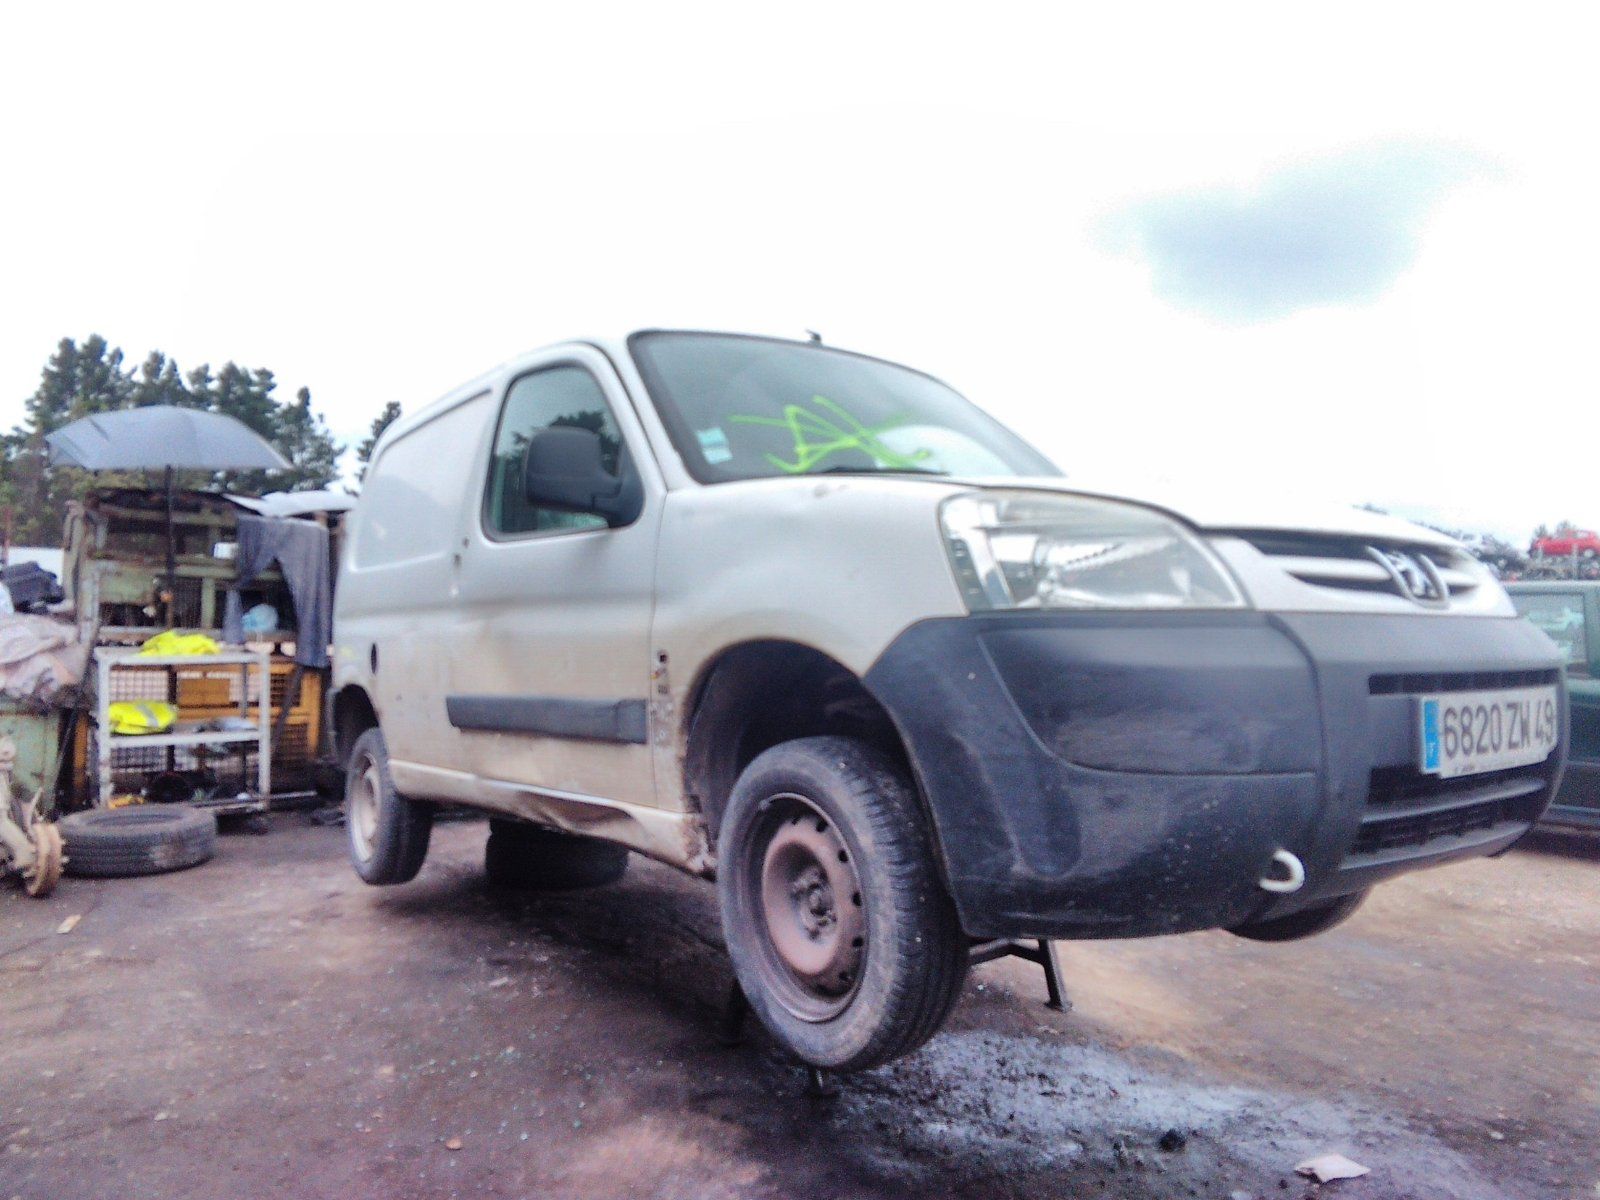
point(806, 901)
point(362, 811)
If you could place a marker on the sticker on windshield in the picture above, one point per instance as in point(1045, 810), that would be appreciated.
point(714, 444)
point(818, 436)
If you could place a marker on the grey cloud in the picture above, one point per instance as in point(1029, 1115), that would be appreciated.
point(1334, 231)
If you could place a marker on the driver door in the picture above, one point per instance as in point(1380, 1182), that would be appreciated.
point(549, 678)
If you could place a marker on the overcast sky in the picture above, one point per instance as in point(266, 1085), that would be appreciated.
point(1351, 253)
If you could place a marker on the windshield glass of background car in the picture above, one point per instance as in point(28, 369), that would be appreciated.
point(752, 408)
point(1560, 616)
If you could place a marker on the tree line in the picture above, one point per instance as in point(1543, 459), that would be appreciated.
point(81, 379)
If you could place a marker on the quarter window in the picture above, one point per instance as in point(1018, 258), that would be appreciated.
point(564, 395)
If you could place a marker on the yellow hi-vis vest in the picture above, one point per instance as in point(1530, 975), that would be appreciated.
point(142, 716)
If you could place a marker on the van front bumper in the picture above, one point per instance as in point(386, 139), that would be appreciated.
point(1126, 774)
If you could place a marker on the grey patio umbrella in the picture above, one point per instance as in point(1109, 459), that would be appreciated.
point(162, 438)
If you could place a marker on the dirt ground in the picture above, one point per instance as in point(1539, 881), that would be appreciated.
point(267, 1026)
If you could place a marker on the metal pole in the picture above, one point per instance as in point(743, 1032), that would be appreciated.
point(172, 613)
point(172, 558)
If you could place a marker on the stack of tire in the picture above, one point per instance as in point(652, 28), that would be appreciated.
point(145, 839)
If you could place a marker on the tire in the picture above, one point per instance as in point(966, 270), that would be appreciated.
point(388, 834)
point(1308, 922)
point(523, 857)
point(1587, 552)
point(142, 840)
point(842, 936)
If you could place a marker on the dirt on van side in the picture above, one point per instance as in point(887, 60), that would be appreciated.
point(266, 1026)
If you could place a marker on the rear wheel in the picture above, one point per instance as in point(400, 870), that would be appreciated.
point(841, 934)
point(523, 857)
point(388, 833)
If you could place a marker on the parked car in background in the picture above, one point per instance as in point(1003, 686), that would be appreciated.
point(1499, 555)
point(1569, 613)
point(1585, 543)
point(811, 623)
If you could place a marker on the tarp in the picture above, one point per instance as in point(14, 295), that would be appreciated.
point(296, 504)
point(41, 659)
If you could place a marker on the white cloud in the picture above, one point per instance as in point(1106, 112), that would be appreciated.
point(1336, 230)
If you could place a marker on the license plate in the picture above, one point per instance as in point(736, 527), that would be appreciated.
point(1468, 733)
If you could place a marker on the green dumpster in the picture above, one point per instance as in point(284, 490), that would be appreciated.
point(36, 730)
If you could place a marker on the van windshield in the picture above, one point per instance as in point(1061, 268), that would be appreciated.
point(741, 407)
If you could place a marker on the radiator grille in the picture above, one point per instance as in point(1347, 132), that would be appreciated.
point(1431, 575)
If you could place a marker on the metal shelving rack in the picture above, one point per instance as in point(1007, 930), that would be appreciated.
point(110, 661)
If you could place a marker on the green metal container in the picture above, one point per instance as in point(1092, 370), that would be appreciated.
point(37, 733)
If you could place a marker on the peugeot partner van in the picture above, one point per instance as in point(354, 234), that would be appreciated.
point(809, 623)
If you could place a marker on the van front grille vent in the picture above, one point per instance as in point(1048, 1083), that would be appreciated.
point(1427, 575)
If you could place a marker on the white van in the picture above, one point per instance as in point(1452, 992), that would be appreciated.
point(810, 623)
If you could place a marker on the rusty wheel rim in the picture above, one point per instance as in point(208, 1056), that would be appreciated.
point(810, 908)
point(41, 878)
point(362, 812)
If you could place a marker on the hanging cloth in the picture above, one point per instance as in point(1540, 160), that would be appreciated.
point(301, 550)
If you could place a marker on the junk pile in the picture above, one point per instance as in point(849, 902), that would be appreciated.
point(42, 663)
point(249, 579)
point(175, 673)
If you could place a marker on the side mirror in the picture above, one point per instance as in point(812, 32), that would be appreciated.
point(562, 469)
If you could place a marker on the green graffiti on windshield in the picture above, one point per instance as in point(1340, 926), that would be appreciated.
point(818, 436)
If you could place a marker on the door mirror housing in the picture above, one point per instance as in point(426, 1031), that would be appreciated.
point(563, 469)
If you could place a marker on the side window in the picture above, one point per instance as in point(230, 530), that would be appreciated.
point(1559, 614)
point(565, 395)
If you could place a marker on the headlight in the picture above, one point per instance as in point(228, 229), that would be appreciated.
point(1036, 550)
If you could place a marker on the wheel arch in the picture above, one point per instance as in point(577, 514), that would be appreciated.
point(755, 694)
point(350, 714)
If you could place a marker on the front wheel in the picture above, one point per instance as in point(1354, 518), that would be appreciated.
point(841, 934)
point(388, 833)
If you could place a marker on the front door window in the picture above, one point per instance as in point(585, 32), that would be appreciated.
point(561, 395)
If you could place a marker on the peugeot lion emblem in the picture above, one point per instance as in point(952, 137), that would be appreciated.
point(1414, 575)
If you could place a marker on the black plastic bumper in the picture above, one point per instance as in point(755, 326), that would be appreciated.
point(1118, 774)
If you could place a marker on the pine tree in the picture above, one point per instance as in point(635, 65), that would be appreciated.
point(76, 382)
point(246, 396)
point(160, 382)
point(389, 415)
point(303, 438)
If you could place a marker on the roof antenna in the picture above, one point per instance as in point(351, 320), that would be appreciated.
point(816, 338)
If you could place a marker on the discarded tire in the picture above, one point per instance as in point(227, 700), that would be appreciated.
point(145, 840)
point(531, 858)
